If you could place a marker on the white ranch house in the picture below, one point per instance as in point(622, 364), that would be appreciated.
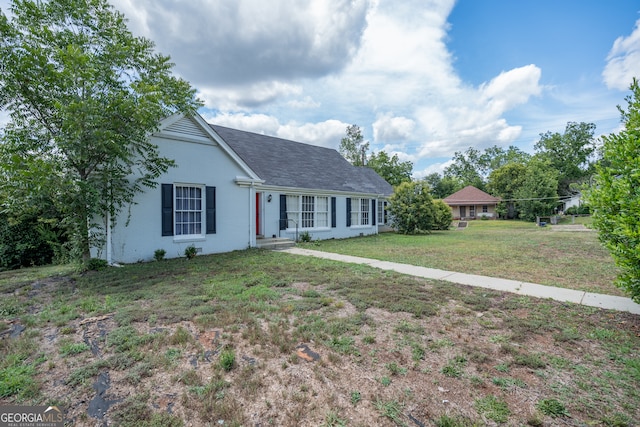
point(232, 189)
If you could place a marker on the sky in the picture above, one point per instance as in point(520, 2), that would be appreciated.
point(422, 78)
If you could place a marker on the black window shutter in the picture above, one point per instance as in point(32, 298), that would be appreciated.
point(210, 196)
point(348, 211)
point(283, 212)
point(373, 209)
point(333, 212)
point(167, 209)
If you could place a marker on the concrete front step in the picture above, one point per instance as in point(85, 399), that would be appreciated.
point(275, 243)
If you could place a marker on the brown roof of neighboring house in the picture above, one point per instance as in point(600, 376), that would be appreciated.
point(470, 195)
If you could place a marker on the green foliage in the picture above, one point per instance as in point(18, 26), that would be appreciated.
point(578, 210)
point(159, 254)
point(538, 193)
point(504, 182)
point(17, 379)
point(353, 147)
point(137, 412)
point(395, 369)
point(530, 360)
point(468, 168)
point(190, 252)
point(73, 348)
point(455, 367)
point(473, 166)
point(615, 198)
point(25, 242)
point(391, 409)
point(96, 264)
point(459, 421)
point(493, 408)
point(355, 397)
point(333, 420)
point(391, 169)
point(443, 216)
point(83, 95)
point(411, 208)
point(552, 407)
point(305, 237)
point(569, 153)
point(441, 187)
point(227, 359)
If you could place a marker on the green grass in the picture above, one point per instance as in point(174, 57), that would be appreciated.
point(377, 333)
point(494, 408)
point(506, 249)
point(552, 407)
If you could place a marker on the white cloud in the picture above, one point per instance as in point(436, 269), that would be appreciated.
point(433, 168)
point(388, 128)
point(244, 98)
point(326, 134)
point(306, 103)
point(510, 89)
point(313, 68)
point(623, 61)
point(474, 118)
point(221, 43)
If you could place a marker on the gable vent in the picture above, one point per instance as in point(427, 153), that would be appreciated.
point(187, 127)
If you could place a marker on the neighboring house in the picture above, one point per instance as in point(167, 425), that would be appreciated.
point(472, 203)
point(231, 188)
point(574, 200)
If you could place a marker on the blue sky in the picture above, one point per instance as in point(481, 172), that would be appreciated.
point(422, 78)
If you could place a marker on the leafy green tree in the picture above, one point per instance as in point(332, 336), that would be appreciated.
point(390, 168)
point(468, 168)
point(615, 196)
point(571, 153)
point(495, 157)
point(83, 95)
point(473, 167)
point(537, 195)
point(441, 187)
point(353, 146)
point(443, 216)
point(411, 208)
point(504, 182)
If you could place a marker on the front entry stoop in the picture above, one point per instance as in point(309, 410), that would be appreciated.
point(275, 243)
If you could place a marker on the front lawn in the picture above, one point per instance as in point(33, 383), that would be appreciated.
point(506, 249)
point(266, 338)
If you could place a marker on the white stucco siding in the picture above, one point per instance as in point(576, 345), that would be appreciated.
point(197, 164)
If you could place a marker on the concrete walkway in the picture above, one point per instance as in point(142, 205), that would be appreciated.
point(608, 302)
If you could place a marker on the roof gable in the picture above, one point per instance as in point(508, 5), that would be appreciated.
point(195, 129)
point(284, 163)
point(470, 194)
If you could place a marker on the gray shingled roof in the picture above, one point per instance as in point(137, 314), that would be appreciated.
point(283, 163)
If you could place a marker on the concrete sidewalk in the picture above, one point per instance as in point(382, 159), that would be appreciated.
point(608, 302)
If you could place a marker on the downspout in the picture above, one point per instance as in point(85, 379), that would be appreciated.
point(109, 256)
point(251, 211)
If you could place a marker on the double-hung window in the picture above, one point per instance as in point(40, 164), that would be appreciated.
point(360, 211)
point(188, 210)
point(307, 211)
point(382, 212)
